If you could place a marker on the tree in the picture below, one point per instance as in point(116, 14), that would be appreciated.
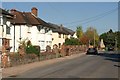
point(84, 39)
point(79, 32)
point(92, 35)
point(111, 39)
point(117, 36)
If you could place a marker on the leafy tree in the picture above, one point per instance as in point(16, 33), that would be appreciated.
point(111, 39)
point(92, 35)
point(117, 39)
point(79, 32)
point(84, 39)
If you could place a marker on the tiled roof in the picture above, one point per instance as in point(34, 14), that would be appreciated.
point(18, 18)
point(61, 29)
point(30, 19)
point(4, 12)
point(44, 23)
point(24, 18)
point(27, 18)
point(71, 32)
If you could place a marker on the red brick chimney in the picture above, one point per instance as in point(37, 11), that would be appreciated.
point(34, 10)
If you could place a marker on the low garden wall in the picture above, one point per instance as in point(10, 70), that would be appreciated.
point(18, 59)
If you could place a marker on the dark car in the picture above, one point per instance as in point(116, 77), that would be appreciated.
point(110, 49)
point(92, 51)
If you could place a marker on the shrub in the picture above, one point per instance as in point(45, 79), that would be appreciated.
point(32, 49)
point(72, 41)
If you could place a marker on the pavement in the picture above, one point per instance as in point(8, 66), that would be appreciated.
point(16, 70)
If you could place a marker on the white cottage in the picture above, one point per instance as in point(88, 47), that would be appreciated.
point(27, 25)
point(59, 34)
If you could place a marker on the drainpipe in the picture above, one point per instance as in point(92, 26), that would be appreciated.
point(2, 34)
point(14, 37)
point(2, 30)
point(20, 33)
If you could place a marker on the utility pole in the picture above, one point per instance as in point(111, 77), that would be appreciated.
point(94, 38)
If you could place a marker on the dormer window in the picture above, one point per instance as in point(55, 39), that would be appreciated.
point(47, 30)
point(42, 30)
point(39, 27)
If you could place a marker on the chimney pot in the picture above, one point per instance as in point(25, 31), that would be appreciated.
point(34, 10)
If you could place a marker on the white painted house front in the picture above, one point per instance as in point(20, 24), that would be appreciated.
point(59, 34)
point(26, 25)
point(5, 35)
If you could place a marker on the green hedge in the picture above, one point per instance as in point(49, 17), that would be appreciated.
point(72, 41)
point(32, 49)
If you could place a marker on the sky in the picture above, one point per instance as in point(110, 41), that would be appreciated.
point(101, 15)
point(60, 0)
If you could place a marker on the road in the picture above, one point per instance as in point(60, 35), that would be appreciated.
point(104, 65)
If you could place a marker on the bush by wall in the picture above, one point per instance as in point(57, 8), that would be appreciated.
point(72, 41)
point(32, 49)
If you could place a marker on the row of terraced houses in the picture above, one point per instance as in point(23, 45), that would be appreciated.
point(16, 26)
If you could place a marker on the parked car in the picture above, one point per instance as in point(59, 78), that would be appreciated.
point(92, 51)
point(110, 49)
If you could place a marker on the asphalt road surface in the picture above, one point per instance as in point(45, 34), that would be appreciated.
point(104, 65)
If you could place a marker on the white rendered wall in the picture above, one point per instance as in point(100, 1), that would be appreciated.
point(18, 33)
point(48, 38)
point(56, 39)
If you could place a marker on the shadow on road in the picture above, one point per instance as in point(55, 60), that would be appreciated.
point(116, 65)
point(111, 56)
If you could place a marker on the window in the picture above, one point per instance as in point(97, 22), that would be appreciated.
point(39, 27)
point(59, 35)
point(1, 20)
point(42, 31)
point(7, 30)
